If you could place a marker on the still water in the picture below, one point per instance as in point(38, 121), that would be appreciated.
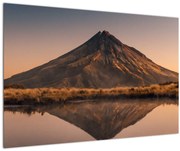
point(92, 120)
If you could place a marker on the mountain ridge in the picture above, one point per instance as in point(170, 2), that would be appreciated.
point(103, 61)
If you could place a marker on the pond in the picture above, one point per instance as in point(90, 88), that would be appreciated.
point(88, 120)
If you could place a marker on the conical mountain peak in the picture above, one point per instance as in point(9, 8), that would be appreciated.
point(103, 61)
point(105, 33)
point(101, 35)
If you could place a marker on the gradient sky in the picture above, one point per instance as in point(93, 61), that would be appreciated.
point(36, 35)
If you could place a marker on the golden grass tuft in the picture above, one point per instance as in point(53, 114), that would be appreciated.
point(59, 95)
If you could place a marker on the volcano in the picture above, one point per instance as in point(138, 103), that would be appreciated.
point(101, 62)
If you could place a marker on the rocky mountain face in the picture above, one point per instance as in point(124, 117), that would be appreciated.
point(101, 62)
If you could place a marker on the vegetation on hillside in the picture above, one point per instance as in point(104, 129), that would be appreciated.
point(15, 86)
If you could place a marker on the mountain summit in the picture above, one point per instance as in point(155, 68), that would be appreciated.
point(101, 62)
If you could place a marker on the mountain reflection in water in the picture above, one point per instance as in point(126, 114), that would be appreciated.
point(102, 119)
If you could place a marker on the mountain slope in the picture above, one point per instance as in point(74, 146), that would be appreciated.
point(101, 62)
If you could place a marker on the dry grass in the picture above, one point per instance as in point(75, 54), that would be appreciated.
point(59, 95)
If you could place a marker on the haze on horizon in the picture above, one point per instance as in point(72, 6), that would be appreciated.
point(36, 35)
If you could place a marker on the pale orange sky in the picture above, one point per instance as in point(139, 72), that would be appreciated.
point(36, 35)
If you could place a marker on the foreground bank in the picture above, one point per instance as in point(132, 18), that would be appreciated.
point(42, 96)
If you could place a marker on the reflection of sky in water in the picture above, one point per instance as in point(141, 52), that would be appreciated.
point(103, 119)
point(21, 129)
point(162, 120)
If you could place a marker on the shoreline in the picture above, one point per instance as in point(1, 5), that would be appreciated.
point(47, 96)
